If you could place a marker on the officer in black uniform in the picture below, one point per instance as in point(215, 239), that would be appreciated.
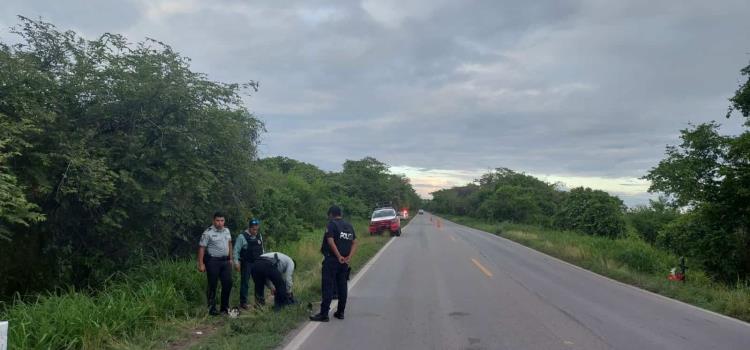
point(338, 248)
point(265, 269)
point(247, 249)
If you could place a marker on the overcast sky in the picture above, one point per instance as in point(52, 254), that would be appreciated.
point(584, 92)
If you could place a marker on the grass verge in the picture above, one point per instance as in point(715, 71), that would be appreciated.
point(629, 260)
point(266, 329)
point(162, 306)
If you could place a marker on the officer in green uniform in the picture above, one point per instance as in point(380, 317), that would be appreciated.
point(215, 258)
point(247, 250)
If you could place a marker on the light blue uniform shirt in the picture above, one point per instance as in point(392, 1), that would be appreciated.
point(285, 265)
point(216, 241)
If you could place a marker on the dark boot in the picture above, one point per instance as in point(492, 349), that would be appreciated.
point(319, 318)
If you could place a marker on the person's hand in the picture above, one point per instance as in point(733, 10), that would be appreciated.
point(237, 267)
point(342, 260)
point(201, 267)
point(347, 259)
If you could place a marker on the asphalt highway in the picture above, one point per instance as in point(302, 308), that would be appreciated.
point(446, 286)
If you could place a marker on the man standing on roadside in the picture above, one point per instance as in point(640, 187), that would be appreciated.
point(247, 249)
point(338, 248)
point(215, 258)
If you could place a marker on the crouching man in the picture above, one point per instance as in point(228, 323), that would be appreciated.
point(267, 270)
point(286, 266)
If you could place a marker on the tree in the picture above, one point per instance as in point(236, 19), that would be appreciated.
point(123, 149)
point(649, 220)
point(594, 212)
point(709, 175)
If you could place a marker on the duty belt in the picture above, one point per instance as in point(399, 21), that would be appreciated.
point(217, 258)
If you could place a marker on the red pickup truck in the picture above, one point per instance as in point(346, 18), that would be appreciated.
point(385, 219)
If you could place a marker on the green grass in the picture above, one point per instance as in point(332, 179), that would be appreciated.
point(629, 260)
point(78, 320)
point(162, 305)
point(266, 329)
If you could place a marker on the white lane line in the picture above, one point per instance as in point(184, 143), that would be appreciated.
point(659, 296)
point(310, 327)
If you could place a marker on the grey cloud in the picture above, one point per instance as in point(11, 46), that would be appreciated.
point(89, 17)
point(588, 88)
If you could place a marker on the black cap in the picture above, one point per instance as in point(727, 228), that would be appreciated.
point(334, 211)
point(254, 222)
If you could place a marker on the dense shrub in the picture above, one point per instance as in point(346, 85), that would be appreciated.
point(591, 211)
point(502, 195)
point(707, 242)
point(649, 220)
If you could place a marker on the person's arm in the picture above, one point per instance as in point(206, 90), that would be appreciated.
point(237, 248)
point(230, 250)
point(201, 253)
point(288, 272)
point(354, 249)
point(334, 250)
point(262, 244)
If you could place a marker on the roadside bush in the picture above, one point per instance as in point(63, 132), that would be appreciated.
point(707, 242)
point(501, 195)
point(649, 220)
point(640, 257)
point(590, 211)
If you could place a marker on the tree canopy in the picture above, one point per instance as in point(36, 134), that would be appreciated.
point(114, 153)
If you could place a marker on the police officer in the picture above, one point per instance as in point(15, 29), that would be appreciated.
point(338, 248)
point(265, 270)
point(247, 249)
point(215, 258)
point(285, 265)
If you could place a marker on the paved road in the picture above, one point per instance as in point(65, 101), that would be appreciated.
point(452, 287)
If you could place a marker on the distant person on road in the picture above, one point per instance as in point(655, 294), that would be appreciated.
point(286, 266)
point(338, 247)
point(247, 248)
point(265, 270)
point(215, 258)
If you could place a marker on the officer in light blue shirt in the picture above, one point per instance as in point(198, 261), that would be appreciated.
point(215, 258)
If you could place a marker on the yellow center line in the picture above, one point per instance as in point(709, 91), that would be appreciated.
point(484, 269)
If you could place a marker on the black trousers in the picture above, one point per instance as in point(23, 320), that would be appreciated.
point(262, 271)
point(218, 269)
point(334, 278)
point(245, 275)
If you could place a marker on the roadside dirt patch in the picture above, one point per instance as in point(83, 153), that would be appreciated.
point(194, 336)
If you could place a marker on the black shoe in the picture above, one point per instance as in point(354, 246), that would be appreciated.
point(213, 312)
point(244, 306)
point(319, 318)
point(339, 315)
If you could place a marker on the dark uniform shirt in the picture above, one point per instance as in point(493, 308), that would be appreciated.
point(248, 247)
point(343, 236)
